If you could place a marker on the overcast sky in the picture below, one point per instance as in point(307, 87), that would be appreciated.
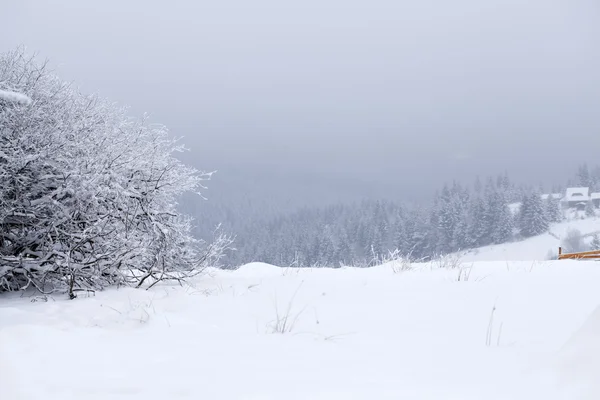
point(400, 94)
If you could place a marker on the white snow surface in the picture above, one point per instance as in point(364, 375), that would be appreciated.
point(14, 97)
point(538, 247)
point(360, 334)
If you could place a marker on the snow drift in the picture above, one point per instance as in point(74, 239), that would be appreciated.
point(489, 330)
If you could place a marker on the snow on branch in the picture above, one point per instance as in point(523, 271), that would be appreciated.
point(14, 97)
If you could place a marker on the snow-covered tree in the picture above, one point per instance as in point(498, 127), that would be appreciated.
point(477, 229)
point(533, 217)
point(595, 245)
point(478, 186)
point(446, 220)
point(400, 239)
point(503, 229)
point(88, 195)
point(343, 250)
point(590, 210)
point(583, 176)
point(553, 209)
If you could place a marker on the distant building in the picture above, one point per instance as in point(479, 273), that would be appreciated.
point(576, 197)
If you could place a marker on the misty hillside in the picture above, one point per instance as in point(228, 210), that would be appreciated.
point(573, 235)
point(491, 211)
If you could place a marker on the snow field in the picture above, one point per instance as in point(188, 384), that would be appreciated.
point(350, 334)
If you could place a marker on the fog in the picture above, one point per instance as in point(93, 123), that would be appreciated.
point(340, 98)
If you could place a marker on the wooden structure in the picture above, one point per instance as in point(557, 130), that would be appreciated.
point(584, 255)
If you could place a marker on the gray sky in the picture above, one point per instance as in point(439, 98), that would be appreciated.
point(360, 94)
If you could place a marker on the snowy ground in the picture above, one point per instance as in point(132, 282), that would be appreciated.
point(535, 248)
point(360, 334)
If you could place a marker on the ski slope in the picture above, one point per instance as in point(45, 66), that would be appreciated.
point(517, 330)
point(534, 248)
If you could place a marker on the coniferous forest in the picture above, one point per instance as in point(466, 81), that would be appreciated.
point(459, 217)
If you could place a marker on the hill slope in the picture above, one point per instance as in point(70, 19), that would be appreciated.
point(495, 331)
point(534, 248)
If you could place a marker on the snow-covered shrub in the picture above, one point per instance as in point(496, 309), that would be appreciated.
point(573, 242)
point(88, 195)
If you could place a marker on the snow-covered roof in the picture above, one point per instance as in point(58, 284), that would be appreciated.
point(577, 194)
point(554, 196)
point(595, 196)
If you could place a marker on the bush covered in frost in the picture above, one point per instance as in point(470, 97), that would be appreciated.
point(88, 195)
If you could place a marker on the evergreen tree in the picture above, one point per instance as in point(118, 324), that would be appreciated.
point(428, 229)
point(589, 209)
point(326, 248)
point(533, 219)
point(446, 221)
point(553, 209)
point(523, 214)
point(460, 236)
point(595, 178)
point(477, 186)
point(596, 242)
point(584, 177)
point(492, 209)
point(503, 184)
point(400, 234)
point(477, 230)
point(343, 251)
point(418, 234)
point(503, 230)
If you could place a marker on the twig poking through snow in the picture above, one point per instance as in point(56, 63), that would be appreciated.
point(488, 339)
point(499, 334)
point(285, 323)
point(14, 97)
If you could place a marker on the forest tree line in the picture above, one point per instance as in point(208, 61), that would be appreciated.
point(459, 217)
